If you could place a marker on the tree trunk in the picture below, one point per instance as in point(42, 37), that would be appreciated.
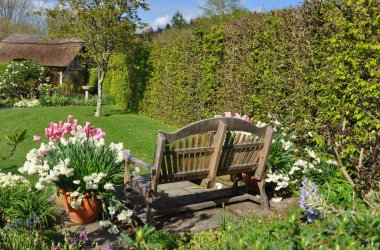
point(101, 75)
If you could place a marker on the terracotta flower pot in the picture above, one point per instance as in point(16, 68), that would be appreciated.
point(87, 213)
point(251, 182)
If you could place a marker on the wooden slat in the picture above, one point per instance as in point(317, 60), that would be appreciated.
point(191, 154)
point(239, 151)
point(186, 159)
point(249, 142)
point(190, 150)
point(188, 175)
point(168, 162)
point(242, 146)
point(180, 157)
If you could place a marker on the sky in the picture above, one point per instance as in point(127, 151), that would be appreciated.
point(161, 11)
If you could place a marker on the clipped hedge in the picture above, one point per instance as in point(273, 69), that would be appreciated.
point(315, 67)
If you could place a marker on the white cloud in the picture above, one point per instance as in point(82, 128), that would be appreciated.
point(160, 22)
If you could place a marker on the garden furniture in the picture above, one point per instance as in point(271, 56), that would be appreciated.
point(201, 151)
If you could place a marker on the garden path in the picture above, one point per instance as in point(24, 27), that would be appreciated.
point(195, 222)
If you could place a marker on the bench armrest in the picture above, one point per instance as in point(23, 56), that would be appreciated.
point(135, 161)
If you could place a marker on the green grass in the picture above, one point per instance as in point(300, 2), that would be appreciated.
point(136, 132)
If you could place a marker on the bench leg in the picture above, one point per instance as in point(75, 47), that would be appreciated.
point(149, 201)
point(235, 178)
point(263, 195)
point(128, 193)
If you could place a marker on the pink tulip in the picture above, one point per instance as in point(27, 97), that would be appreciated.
point(42, 153)
point(227, 114)
point(70, 119)
point(36, 138)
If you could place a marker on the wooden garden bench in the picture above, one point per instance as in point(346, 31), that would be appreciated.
point(202, 151)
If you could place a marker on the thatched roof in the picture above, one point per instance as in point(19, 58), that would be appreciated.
point(54, 53)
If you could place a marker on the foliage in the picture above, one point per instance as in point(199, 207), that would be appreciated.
point(105, 26)
point(92, 77)
point(163, 240)
point(347, 231)
point(3, 67)
point(140, 242)
point(323, 81)
point(177, 20)
point(116, 82)
point(13, 140)
point(219, 7)
point(22, 79)
point(20, 203)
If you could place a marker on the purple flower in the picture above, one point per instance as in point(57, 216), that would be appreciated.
point(84, 236)
point(108, 248)
point(74, 241)
point(55, 247)
point(28, 222)
point(309, 194)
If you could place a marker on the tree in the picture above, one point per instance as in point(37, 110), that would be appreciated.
point(178, 20)
point(106, 26)
point(219, 7)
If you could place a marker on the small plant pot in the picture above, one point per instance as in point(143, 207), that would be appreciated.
point(87, 213)
point(251, 182)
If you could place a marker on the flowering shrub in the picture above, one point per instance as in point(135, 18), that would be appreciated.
point(25, 103)
point(75, 159)
point(287, 164)
point(22, 79)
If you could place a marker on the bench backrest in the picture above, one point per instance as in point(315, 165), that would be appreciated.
point(217, 145)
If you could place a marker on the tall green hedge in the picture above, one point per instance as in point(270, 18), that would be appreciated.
point(316, 67)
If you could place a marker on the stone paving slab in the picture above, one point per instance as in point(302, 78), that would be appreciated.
point(178, 194)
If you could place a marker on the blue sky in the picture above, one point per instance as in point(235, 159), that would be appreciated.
point(161, 11)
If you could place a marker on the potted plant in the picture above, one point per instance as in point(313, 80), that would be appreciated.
point(76, 160)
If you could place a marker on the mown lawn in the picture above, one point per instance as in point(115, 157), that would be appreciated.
point(136, 132)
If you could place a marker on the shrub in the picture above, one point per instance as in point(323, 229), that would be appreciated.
point(3, 67)
point(19, 202)
point(22, 79)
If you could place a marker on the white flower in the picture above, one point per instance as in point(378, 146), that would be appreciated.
point(218, 185)
point(113, 229)
point(76, 203)
point(9, 180)
point(286, 144)
point(311, 153)
point(310, 134)
point(276, 199)
point(332, 162)
point(112, 210)
point(74, 194)
point(39, 186)
point(260, 124)
point(125, 215)
point(105, 223)
point(109, 186)
point(118, 149)
point(76, 182)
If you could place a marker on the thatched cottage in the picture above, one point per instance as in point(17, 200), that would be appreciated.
point(60, 55)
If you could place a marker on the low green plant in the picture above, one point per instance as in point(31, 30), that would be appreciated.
point(140, 241)
point(163, 240)
point(13, 140)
